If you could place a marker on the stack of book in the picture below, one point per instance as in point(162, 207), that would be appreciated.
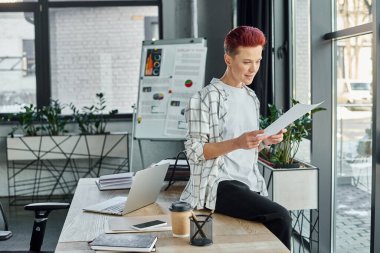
point(124, 243)
point(115, 181)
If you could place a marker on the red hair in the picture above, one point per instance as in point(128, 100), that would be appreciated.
point(244, 36)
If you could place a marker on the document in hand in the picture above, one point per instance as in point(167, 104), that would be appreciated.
point(115, 181)
point(124, 242)
point(287, 118)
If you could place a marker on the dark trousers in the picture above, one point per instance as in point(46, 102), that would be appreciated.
point(237, 200)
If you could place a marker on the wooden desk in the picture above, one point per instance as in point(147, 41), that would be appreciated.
point(230, 234)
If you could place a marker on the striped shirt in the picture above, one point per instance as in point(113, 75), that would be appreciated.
point(205, 116)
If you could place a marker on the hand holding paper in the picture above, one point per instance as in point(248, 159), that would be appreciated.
point(251, 139)
point(289, 117)
point(276, 138)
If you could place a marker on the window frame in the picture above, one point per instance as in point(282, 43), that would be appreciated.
point(40, 9)
point(322, 38)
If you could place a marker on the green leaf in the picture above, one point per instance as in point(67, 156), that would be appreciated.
point(284, 152)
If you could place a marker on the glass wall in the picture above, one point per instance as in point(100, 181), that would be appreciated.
point(353, 120)
point(17, 61)
point(72, 50)
point(351, 13)
point(97, 50)
point(353, 144)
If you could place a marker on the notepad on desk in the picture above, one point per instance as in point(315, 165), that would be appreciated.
point(124, 242)
point(124, 224)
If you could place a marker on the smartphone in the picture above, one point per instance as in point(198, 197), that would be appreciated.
point(149, 224)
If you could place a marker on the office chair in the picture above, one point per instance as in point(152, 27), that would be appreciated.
point(4, 234)
point(41, 210)
point(181, 156)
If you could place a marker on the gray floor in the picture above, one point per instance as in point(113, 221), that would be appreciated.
point(21, 224)
point(353, 220)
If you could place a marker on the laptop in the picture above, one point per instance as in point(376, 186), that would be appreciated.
point(146, 186)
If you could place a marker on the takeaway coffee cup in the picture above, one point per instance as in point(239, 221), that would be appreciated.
point(180, 213)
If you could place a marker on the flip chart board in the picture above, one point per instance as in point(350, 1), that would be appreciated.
point(171, 71)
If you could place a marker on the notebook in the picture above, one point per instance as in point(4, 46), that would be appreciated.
point(124, 242)
point(139, 196)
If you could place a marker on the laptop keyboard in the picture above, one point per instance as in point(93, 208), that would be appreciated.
point(118, 208)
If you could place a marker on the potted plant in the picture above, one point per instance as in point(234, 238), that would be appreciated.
point(291, 183)
point(92, 119)
point(52, 115)
point(26, 121)
point(38, 133)
point(283, 154)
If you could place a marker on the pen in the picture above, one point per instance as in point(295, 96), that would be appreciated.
point(198, 226)
point(209, 216)
point(201, 226)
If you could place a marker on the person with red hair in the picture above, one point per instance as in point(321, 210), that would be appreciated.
point(223, 140)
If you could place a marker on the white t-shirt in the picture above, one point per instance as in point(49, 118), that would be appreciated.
point(241, 117)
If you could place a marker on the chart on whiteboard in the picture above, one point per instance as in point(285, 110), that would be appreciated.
point(170, 76)
point(186, 78)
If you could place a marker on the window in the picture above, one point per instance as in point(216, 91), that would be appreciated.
point(353, 144)
point(17, 66)
point(74, 50)
point(352, 13)
point(28, 58)
point(95, 50)
point(151, 28)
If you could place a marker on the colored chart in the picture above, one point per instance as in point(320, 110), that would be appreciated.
point(153, 62)
point(188, 83)
point(171, 71)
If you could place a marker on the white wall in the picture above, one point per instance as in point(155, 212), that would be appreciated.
point(214, 22)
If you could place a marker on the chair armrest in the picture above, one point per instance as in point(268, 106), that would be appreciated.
point(41, 213)
point(46, 206)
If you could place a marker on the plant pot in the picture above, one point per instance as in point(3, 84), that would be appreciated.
point(287, 166)
point(64, 146)
point(293, 188)
point(295, 164)
point(40, 166)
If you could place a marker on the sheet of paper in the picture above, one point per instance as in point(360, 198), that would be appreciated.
point(153, 103)
point(187, 79)
point(288, 117)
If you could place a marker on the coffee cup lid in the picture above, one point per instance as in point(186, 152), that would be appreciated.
point(180, 206)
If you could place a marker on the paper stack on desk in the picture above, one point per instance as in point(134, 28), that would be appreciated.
point(115, 181)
